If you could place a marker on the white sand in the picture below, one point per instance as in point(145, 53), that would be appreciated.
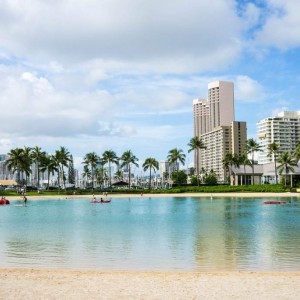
point(62, 284)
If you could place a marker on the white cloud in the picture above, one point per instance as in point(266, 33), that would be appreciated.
point(248, 89)
point(282, 24)
point(148, 35)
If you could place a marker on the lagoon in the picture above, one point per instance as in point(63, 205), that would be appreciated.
point(152, 234)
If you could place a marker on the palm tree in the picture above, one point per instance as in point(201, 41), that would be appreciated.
point(62, 157)
point(28, 162)
point(297, 152)
point(229, 161)
point(195, 145)
point(152, 164)
point(273, 150)
point(17, 162)
point(286, 163)
point(110, 157)
point(101, 176)
point(251, 147)
point(174, 156)
point(91, 159)
point(245, 161)
point(86, 173)
point(127, 160)
point(48, 164)
point(119, 175)
point(37, 155)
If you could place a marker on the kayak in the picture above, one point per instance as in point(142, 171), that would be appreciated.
point(4, 201)
point(275, 202)
point(101, 201)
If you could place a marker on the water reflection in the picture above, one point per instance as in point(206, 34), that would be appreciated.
point(193, 234)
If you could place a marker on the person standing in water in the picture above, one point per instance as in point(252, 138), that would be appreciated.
point(25, 200)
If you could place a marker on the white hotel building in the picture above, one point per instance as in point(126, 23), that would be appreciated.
point(215, 124)
point(284, 129)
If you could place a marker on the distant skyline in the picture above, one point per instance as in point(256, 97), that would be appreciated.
point(94, 75)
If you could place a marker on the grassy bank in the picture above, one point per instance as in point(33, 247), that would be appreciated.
point(186, 189)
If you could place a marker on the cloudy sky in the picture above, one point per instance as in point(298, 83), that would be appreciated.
point(94, 75)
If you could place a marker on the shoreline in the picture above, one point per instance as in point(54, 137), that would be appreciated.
point(179, 195)
point(91, 284)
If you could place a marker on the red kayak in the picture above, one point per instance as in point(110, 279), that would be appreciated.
point(101, 201)
point(4, 201)
point(275, 202)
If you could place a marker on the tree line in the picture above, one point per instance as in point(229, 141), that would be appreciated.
point(284, 162)
point(21, 160)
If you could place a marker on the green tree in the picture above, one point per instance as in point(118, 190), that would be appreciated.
point(179, 177)
point(211, 178)
point(27, 163)
point(251, 147)
point(110, 157)
point(48, 164)
point(119, 175)
point(231, 160)
point(86, 174)
point(151, 164)
point(71, 171)
point(174, 157)
point(37, 156)
point(297, 152)
point(286, 163)
point(245, 161)
point(17, 162)
point(196, 144)
point(91, 159)
point(101, 176)
point(128, 159)
point(62, 158)
point(273, 150)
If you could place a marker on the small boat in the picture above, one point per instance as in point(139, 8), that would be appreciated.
point(275, 202)
point(101, 201)
point(4, 201)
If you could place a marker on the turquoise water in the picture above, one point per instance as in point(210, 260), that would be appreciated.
point(158, 234)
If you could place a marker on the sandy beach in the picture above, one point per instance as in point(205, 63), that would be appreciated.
point(91, 284)
point(64, 284)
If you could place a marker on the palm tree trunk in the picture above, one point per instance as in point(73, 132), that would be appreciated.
point(276, 177)
point(150, 180)
point(38, 175)
point(129, 174)
point(197, 167)
point(109, 174)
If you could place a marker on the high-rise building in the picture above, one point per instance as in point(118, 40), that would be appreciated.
point(221, 103)
point(214, 123)
point(283, 129)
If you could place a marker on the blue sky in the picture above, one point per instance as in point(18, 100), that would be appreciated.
point(98, 75)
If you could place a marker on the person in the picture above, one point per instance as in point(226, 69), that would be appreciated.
point(25, 200)
point(101, 200)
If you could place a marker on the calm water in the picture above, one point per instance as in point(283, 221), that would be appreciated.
point(162, 234)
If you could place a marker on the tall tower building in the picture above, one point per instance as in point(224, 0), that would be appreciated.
point(215, 124)
point(221, 103)
point(283, 129)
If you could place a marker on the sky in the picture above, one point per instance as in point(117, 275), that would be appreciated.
point(97, 75)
